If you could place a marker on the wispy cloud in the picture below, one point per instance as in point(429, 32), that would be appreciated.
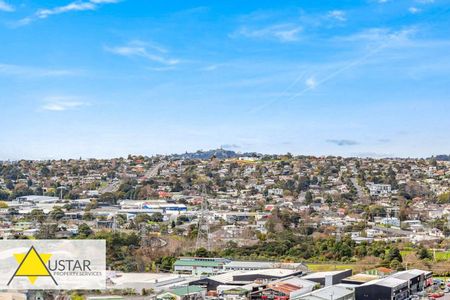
point(27, 71)
point(143, 50)
point(311, 83)
point(414, 10)
point(282, 32)
point(44, 13)
point(379, 35)
point(62, 103)
point(6, 7)
point(230, 146)
point(338, 15)
point(343, 142)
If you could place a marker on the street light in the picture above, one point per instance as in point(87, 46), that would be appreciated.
point(61, 188)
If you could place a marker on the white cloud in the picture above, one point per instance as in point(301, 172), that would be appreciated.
point(26, 71)
point(104, 1)
point(380, 36)
point(281, 32)
point(311, 83)
point(62, 104)
point(338, 15)
point(73, 6)
point(6, 7)
point(144, 50)
point(414, 10)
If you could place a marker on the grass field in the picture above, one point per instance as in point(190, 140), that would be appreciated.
point(440, 255)
point(332, 267)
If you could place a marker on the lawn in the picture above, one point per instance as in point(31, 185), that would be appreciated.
point(440, 255)
point(332, 267)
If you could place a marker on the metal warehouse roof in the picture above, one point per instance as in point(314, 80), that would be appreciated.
point(197, 263)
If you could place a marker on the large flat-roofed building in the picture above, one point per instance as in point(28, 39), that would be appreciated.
point(260, 265)
point(417, 279)
point(37, 199)
point(241, 278)
point(328, 278)
point(388, 288)
point(199, 265)
point(331, 292)
point(287, 288)
point(210, 266)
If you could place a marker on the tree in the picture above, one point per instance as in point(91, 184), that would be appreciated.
point(108, 198)
point(157, 217)
point(423, 253)
point(47, 231)
point(308, 198)
point(4, 195)
point(57, 214)
point(394, 254)
point(396, 265)
point(84, 230)
point(444, 198)
point(45, 172)
point(141, 218)
point(37, 215)
point(201, 252)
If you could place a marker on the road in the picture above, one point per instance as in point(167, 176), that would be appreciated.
point(150, 173)
point(111, 188)
point(153, 171)
point(359, 189)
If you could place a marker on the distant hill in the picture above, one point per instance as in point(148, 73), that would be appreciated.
point(441, 157)
point(218, 153)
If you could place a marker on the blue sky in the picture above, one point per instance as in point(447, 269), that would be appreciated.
point(107, 78)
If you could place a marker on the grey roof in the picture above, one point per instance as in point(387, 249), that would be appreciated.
point(298, 282)
point(391, 282)
point(405, 275)
point(323, 274)
point(262, 265)
point(336, 291)
point(410, 274)
point(229, 276)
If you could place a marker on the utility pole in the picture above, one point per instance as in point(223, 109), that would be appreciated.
point(61, 188)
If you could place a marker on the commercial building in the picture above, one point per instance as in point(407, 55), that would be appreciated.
point(242, 278)
point(328, 278)
point(388, 288)
point(199, 265)
point(331, 292)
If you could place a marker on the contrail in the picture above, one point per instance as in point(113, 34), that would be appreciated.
point(350, 65)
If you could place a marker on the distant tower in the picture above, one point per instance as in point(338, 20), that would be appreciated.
point(203, 239)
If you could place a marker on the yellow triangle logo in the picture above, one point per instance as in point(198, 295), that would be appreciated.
point(32, 265)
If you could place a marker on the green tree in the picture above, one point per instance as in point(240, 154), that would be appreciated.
point(423, 253)
point(201, 252)
point(394, 254)
point(84, 230)
point(308, 198)
point(57, 214)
